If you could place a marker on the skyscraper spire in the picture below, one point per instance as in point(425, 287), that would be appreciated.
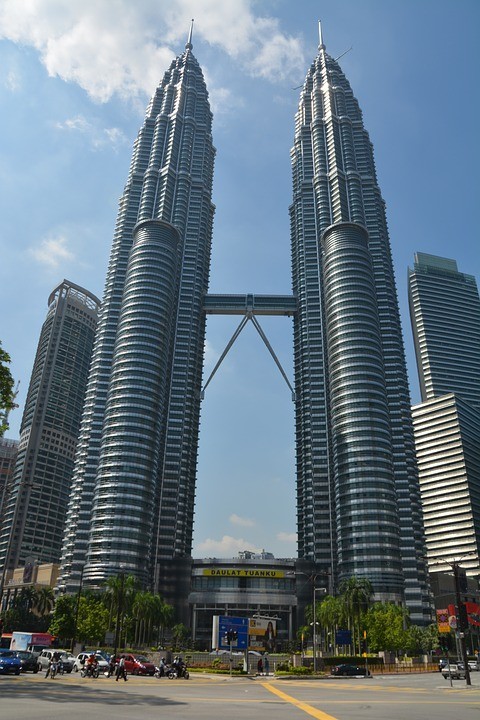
point(189, 45)
point(321, 45)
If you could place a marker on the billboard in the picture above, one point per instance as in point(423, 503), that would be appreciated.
point(262, 634)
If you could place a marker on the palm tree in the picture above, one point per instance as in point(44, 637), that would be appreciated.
point(26, 598)
point(331, 615)
point(44, 601)
point(120, 595)
point(357, 594)
point(142, 611)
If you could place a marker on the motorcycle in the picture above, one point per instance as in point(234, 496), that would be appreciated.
point(175, 672)
point(92, 671)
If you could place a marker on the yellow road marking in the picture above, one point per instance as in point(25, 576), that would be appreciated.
point(299, 704)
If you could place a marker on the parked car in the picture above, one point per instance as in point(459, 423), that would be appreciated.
point(139, 665)
point(66, 658)
point(9, 662)
point(28, 660)
point(473, 665)
point(81, 658)
point(36, 649)
point(352, 670)
point(442, 663)
point(456, 671)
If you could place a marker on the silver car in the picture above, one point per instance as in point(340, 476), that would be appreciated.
point(81, 659)
point(46, 657)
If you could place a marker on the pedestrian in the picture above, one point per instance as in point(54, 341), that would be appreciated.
point(121, 670)
point(112, 665)
point(260, 666)
point(266, 664)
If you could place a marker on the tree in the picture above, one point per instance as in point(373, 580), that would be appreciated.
point(142, 610)
point(180, 635)
point(386, 627)
point(63, 618)
point(357, 593)
point(44, 601)
point(331, 615)
point(92, 620)
point(7, 394)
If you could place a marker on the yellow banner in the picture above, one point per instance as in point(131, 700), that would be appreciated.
point(242, 572)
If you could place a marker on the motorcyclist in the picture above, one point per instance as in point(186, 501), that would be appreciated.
point(91, 664)
point(180, 666)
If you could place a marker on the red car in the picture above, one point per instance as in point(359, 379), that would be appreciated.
point(139, 665)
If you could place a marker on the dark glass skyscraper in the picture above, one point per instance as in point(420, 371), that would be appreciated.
point(132, 503)
point(34, 512)
point(358, 496)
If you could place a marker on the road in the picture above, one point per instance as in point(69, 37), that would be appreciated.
point(416, 697)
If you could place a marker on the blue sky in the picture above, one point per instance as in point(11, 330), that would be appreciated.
point(74, 82)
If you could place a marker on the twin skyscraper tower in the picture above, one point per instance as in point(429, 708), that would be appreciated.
point(358, 504)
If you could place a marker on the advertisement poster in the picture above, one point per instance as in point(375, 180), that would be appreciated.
point(442, 621)
point(262, 634)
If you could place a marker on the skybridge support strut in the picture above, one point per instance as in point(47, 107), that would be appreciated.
point(249, 315)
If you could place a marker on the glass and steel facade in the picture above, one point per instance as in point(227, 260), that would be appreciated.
point(244, 587)
point(132, 502)
point(358, 498)
point(35, 510)
point(447, 432)
point(445, 316)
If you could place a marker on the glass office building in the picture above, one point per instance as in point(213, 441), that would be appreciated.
point(35, 509)
point(445, 317)
point(358, 497)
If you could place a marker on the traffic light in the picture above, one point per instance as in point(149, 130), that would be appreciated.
point(231, 636)
point(443, 643)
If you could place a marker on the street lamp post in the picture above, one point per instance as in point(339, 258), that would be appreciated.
point(313, 579)
point(461, 622)
point(461, 617)
point(77, 608)
point(119, 613)
point(323, 591)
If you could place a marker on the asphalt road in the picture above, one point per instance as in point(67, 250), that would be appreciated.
point(415, 697)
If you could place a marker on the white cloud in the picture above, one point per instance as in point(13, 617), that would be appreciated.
point(52, 252)
point(76, 123)
point(287, 537)
point(243, 522)
point(227, 547)
point(98, 138)
point(12, 81)
point(113, 47)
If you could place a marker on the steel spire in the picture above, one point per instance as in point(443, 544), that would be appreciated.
point(321, 45)
point(189, 45)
